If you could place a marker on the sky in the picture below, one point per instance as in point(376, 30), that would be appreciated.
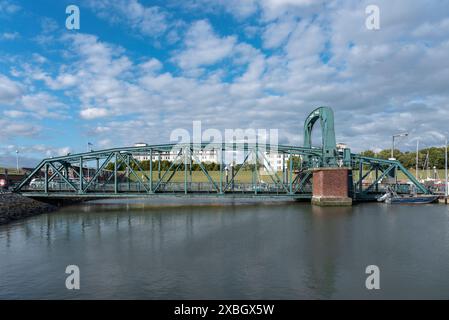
point(137, 70)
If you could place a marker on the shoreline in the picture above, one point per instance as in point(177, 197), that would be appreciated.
point(15, 207)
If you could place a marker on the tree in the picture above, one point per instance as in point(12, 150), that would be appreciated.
point(408, 159)
point(368, 153)
point(296, 163)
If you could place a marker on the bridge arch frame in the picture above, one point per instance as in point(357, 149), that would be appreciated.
point(329, 145)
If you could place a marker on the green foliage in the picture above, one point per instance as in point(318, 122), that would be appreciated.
point(120, 166)
point(368, 153)
point(296, 163)
point(165, 165)
point(408, 159)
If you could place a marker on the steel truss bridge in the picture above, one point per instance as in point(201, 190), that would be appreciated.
point(117, 173)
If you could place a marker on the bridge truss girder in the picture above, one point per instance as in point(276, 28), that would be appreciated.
point(69, 175)
point(382, 169)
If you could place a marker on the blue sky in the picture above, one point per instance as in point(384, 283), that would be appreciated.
point(136, 70)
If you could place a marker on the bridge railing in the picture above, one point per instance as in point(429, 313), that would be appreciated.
point(168, 187)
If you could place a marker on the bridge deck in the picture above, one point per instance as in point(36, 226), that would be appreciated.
point(71, 195)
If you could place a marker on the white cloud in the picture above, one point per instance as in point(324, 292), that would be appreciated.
point(9, 35)
point(277, 32)
point(101, 129)
point(13, 129)
point(30, 154)
point(377, 82)
point(10, 90)
point(93, 113)
point(15, 114)
point(8, 7)
point(149, 21)
point(63, 151)
point(431, 30)
point(39, 105)
point(151, 65)
point(39, 58)
point(43, 105)
point(276, 4)
point(272, 9)
point(306, 41)
point(97, 57)
point(240, 9)
point(267, 92)
point(64, 80)
point(203, 47)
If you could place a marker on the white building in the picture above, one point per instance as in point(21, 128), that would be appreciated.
point(341, 146)
point(275, 161)
point(206, 156)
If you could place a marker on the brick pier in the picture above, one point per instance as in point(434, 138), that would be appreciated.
point(330, 187)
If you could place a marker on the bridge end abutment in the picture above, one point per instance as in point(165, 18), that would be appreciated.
point(331, 187)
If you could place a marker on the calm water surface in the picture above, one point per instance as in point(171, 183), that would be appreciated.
point(135, 249)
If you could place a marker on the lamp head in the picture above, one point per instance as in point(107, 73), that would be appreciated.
point(404, 134)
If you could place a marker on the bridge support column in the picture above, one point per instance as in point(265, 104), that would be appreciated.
point(330, 187)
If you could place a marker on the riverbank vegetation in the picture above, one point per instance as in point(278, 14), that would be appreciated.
point(408, 158)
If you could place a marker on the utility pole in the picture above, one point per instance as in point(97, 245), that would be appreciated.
point(445, 173)
point(89, 149)
point(17, 160)
point(417, 158)
point(392, 149)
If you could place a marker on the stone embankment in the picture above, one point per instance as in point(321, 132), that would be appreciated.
point(14, 206)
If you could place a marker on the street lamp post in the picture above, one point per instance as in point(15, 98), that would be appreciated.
point(445, 173)
point(89, 149)
point(417, 159)
point(405, 134)
point(17, 160)
point(232, 176)
point(226, 169)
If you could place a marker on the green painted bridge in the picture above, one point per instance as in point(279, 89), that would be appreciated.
point(118, 172)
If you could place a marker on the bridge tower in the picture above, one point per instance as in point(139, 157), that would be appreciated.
point(330, 182)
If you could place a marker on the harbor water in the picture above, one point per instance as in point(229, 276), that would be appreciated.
point(138, 249)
